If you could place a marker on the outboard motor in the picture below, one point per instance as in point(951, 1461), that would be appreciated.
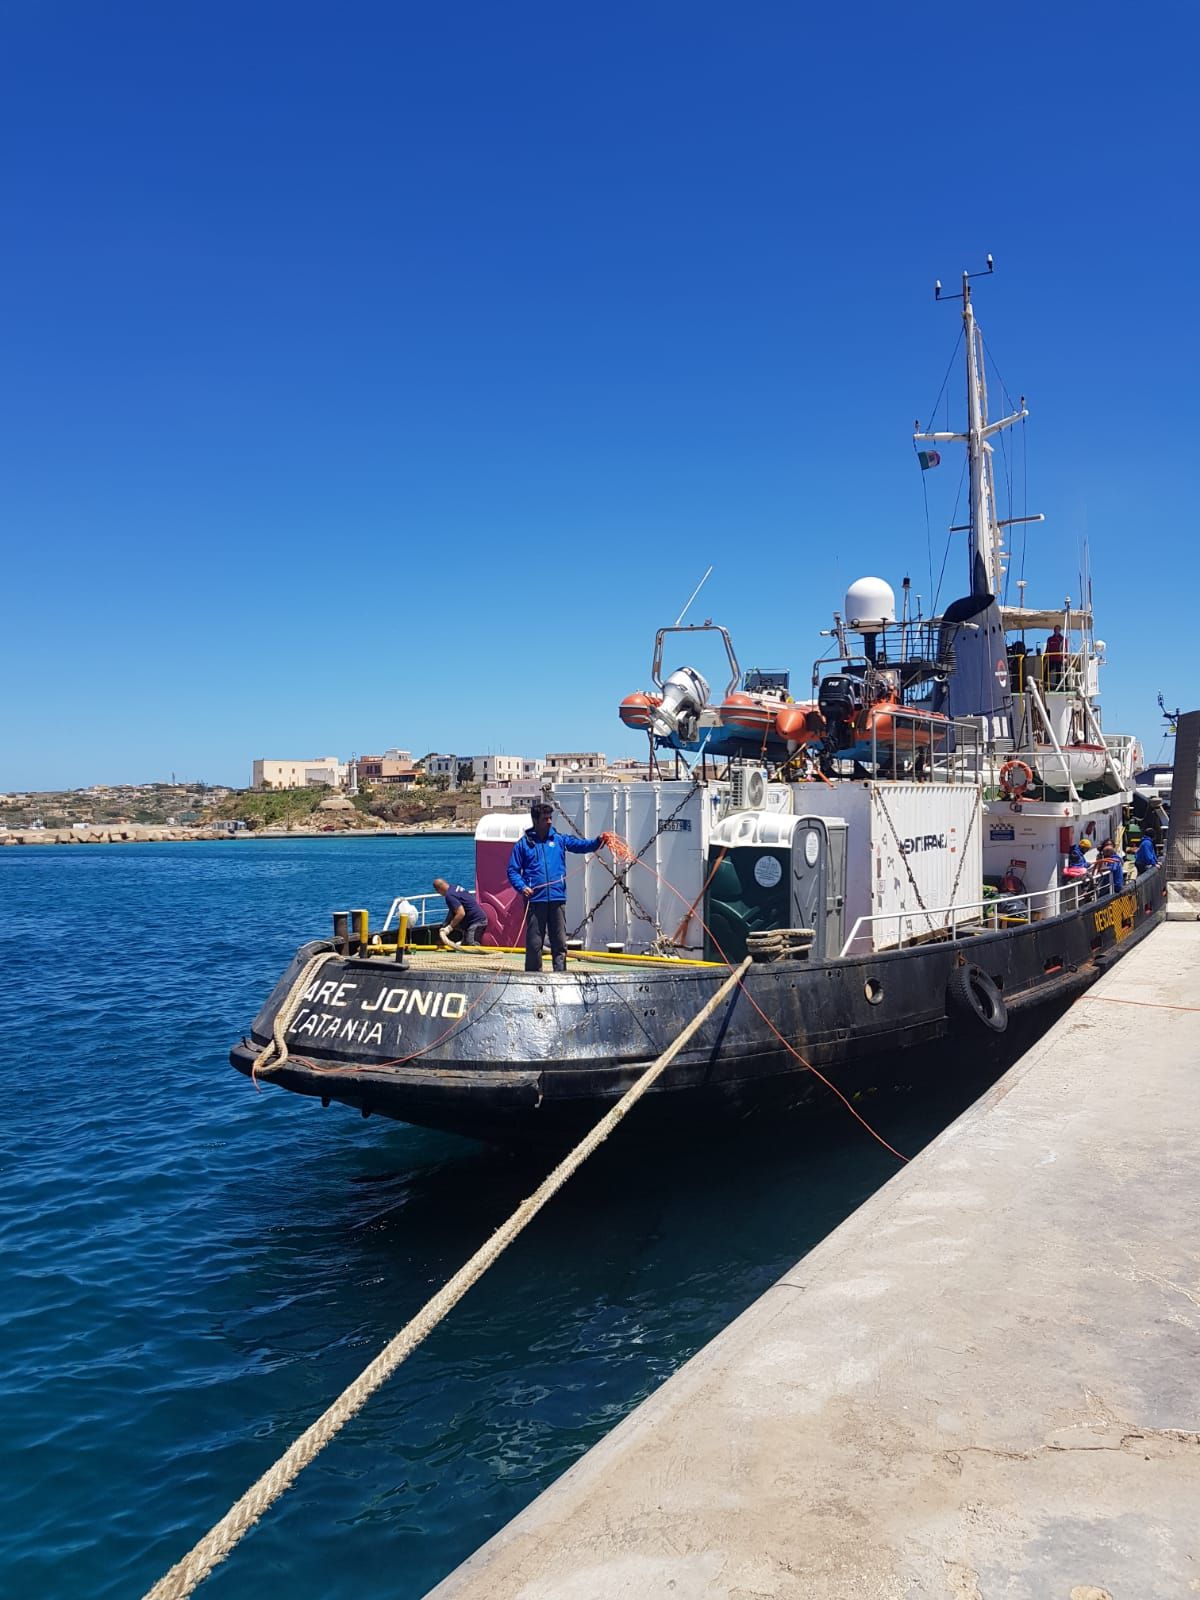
point(840, 699)
point(685, 694)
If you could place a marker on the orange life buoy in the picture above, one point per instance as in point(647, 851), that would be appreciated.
point(1011, 772)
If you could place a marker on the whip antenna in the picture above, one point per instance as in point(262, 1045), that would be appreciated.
point(692, 596)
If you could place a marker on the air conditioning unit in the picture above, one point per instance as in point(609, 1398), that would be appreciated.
point(747, 789)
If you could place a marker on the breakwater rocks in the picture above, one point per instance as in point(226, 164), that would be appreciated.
point(134, 833)
point(108, 833)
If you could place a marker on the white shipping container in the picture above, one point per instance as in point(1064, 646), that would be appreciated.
point(667, 824)
point(914, 851)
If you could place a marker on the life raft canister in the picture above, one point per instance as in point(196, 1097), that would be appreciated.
point(1015, 777)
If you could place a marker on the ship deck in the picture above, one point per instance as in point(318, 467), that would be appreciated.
point(489, 958)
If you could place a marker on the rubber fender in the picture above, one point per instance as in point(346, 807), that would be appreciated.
point(970, 993)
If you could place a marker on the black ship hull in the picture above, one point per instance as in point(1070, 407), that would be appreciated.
point(510, 1057)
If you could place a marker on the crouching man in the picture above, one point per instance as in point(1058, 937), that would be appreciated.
point(462, 911)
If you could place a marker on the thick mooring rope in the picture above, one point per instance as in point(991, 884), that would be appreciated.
point(183, 1578)
point(275, 1052)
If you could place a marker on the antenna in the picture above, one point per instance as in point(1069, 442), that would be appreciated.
point(692, 596)
point(965, 292)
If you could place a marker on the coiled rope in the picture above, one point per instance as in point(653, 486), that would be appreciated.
point(275, 1052)
point(183, 1578)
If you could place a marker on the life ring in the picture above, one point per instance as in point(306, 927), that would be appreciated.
point(971, 994)
point(1009, 771)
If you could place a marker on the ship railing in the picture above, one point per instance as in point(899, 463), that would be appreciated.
point(965, 920)
point(1052, 674)
point(953, 746)
point(431, 911)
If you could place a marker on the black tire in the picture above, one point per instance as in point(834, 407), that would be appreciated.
point(972, 996)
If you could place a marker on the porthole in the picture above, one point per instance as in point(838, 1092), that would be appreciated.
point(873, 990)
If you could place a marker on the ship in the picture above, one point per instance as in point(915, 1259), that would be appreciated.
point(908, 855)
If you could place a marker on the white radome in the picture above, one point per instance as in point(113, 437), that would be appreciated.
point(870, 602)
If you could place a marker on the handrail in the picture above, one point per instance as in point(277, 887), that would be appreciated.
point(958, 761)
point(1053, 737)
point(421, 901)
point(1081, 891)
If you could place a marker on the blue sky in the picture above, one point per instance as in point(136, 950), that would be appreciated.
point(385, 375)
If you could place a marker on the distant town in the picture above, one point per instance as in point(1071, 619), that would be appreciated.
point(320, 794)
point(503, 781)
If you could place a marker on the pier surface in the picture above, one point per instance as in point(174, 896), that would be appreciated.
point(985, 1383)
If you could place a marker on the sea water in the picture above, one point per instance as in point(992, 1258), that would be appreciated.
point(191, 1270)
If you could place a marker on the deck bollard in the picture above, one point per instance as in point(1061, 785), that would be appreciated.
point(341, 932)
point(361, 920)
point(401, 939)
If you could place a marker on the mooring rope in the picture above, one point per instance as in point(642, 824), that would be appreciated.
point(183, 1578)
point(275, 1052)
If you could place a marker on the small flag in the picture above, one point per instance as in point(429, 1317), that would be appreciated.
point(928, 458)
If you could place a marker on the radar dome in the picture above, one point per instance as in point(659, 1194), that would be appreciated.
point(870, 602)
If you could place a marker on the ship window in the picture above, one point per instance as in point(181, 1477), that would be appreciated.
point(873, 990)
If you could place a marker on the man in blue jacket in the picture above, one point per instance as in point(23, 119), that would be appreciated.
point(1147, 855)
point(537, 869)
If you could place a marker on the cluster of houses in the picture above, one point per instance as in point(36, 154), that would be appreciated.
point(504, 781)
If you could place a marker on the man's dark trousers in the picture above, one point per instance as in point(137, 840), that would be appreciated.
point(546, 918)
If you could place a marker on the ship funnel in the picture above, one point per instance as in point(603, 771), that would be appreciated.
point(870, 605)
point(685, 694)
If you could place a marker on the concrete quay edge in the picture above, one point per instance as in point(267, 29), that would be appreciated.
point(984, 1383)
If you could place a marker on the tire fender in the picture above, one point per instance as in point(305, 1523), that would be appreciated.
point(972, 996)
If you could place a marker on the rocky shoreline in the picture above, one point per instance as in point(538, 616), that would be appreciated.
point(132, 833)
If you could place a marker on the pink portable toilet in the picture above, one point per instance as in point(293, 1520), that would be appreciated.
point(495, 836)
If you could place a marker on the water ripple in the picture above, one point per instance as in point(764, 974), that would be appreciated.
point(194, 1270)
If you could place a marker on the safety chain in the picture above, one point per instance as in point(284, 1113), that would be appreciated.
point(620, 877)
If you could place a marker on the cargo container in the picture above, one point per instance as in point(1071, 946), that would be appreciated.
point(903, 869)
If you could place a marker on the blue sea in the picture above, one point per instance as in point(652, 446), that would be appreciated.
point(193, 1269)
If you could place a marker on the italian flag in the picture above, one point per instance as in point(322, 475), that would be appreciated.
point(928, 458)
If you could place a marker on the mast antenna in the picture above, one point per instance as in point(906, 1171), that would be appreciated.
point(964, 293)
point(693, 595)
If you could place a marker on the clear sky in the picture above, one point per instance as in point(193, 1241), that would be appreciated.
point(381, 374)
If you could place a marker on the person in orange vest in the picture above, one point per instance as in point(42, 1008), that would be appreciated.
point(1056, 658)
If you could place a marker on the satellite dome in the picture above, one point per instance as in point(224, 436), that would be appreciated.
point(870, 602)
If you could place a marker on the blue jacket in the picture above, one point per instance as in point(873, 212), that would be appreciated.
point(1147, 855)
point(541, 864)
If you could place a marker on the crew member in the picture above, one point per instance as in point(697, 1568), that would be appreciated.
point(1076, 855)
point(1110, 861)
point(1147, 855)
point(537, 869)
point(1156, 823)
point(1056, 658)
point(463, 911)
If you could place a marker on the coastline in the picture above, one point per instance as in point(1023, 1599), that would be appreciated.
point(135, 834)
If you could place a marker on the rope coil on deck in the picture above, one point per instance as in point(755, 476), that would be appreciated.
point(183, 1578)
point(275, 1052)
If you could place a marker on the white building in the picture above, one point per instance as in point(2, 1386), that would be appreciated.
point(268, 774)
point(514, 796)
point(498, 769)
point(564, 765)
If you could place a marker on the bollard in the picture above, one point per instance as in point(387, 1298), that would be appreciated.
point(341, 932)
point(361, 920)
point(401, 940)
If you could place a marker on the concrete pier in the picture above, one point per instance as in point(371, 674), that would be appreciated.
point(985, 1383)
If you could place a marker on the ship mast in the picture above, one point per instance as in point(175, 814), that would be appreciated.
point(986, 553)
